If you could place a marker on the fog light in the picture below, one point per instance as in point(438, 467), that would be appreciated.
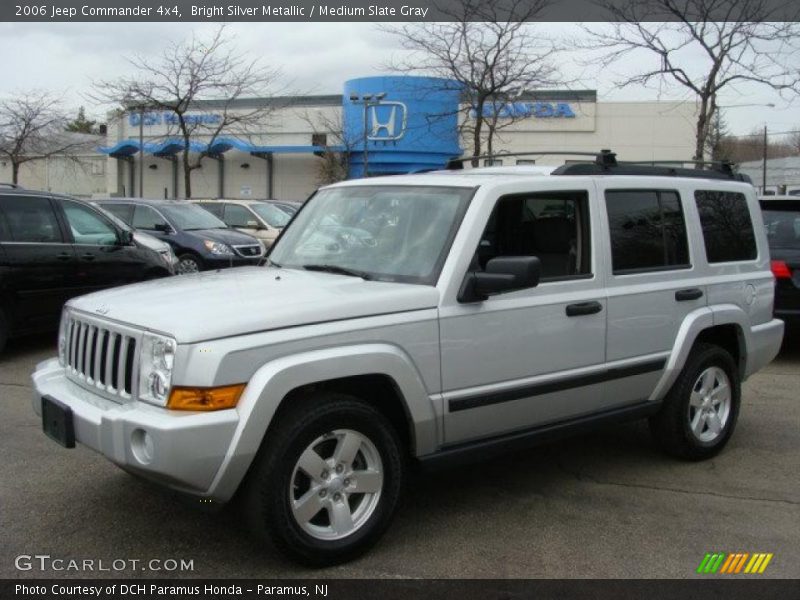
point(142, 446)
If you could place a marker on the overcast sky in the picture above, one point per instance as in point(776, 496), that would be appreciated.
point(318, 57)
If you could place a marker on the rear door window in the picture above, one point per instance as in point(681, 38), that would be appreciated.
point(647, 229)
point(782, 223)
point(215, 208)
point(88, 227)
point(727, 227)
point(239, 216)
point(30, 219)
point(145, 217)
point(124, 212)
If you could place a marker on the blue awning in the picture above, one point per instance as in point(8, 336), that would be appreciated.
point(171, 146)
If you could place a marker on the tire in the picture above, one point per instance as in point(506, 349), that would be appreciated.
point(188, 263)
point(699, 413)
point(308, 437)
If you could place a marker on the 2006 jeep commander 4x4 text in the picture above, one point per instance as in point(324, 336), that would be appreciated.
point(427, 317)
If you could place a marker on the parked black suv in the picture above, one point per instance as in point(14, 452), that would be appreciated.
point(782, 221)
point(55, 247)
point(200, 240)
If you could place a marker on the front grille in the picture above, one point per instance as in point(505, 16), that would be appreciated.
point(100, 356)
point(249, 251)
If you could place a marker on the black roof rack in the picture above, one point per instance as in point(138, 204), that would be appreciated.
point(10, 186)
point(605, 163)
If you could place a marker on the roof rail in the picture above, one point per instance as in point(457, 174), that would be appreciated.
point(10, 186)
point(605, 158)
point(664, 168)
point(605, 163)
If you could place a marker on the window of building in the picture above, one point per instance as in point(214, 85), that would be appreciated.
point(30, 219)
point(526, 161)
point(553, 226)
point(492, 162)
point(647, 229)
point(727, 227)
point(145, 217)
point(87, 226)
point(319, 139)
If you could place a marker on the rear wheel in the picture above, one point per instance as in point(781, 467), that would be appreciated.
point(327, 483)
point(189, 263)
point(699, 413)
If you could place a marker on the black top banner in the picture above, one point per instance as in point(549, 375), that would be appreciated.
point(392, 10)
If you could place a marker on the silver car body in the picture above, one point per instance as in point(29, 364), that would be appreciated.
point(280, 329)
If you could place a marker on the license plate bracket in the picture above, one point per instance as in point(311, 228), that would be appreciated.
point(58, 422)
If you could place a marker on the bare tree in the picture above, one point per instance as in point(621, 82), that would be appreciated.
point(32, 127)
point(334, 164)
point(793, 141)
point(491, 54)
point(706, 47)
point(190, 75)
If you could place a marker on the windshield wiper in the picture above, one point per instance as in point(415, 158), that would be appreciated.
point(338, 270)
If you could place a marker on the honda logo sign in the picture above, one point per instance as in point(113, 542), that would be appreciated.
point(387, 121)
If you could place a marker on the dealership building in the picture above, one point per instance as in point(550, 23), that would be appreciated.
point(409, 124)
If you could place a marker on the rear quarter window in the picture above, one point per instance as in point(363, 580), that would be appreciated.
point(727, 226)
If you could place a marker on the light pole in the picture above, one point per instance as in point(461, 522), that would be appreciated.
point(367, 100)
point(141, 150)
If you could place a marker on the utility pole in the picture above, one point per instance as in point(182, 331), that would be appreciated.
point(367, 100)
point(141, 151)
point(764, 163)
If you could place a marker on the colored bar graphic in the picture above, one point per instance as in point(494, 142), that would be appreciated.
point(734, 563)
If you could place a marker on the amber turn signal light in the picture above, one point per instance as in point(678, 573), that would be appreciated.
point(205, 398)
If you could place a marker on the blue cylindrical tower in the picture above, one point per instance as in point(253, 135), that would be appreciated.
point(413, 126)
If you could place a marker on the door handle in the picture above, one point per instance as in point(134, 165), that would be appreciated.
point(583, 308)
point(87, 256)
point(690, 294)
point(64, 256)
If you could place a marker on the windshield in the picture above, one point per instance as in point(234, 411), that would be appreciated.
point(274, 216)
point(187, 217)
point(782, 222)
point(388, 233)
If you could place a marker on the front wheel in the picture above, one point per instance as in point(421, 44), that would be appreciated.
point(189, 263)
point(700, 411)
point(327, 482)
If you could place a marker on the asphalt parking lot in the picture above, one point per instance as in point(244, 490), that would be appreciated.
point(606, 504)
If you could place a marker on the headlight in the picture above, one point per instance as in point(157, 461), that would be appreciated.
point(218, 248)
point(62, 338)
point(155, 368)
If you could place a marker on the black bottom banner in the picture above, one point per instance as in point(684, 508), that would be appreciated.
point(391, 589)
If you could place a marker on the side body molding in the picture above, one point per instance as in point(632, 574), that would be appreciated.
point(694, 323)
point(273, 381)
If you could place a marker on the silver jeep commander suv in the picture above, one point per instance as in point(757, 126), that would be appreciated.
point(433, 318)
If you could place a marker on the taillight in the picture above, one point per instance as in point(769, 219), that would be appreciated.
point(781, 270)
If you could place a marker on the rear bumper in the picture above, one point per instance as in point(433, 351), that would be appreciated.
point(763, 346)
point(789, 316)
point(183, 450)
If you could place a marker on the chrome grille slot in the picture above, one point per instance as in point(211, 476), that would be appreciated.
point(102, 356)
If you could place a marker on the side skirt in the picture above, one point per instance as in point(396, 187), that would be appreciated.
point(486, 448)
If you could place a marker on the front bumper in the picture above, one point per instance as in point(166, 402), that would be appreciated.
point(184, 450)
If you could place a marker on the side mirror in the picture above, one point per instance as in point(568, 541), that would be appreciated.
point(254, 225)
point(125, 237)
point(502, 274)
point(162, 227)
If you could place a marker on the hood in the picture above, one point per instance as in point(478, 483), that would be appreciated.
point(226, 236)
point(150, 242)
point(215, 304)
